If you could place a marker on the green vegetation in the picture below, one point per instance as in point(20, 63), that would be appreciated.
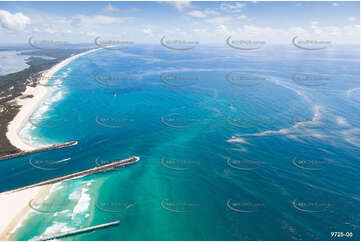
point(14, 84)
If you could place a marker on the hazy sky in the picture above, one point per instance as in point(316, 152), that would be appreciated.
point(206, 22)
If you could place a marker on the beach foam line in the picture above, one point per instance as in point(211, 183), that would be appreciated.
point(11, 202)
point(13, 211)
point(29, 105)
point(79, 231)
point(14, 206)
point(52, 147)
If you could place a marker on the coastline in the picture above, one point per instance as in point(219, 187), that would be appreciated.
point(14, 207)
point(29, 105)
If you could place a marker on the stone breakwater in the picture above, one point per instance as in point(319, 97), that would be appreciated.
point(52, 147)
point(98, 169)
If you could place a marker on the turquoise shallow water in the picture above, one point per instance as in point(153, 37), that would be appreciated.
point(231, 146)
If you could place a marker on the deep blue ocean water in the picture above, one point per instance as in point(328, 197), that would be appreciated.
point(233, 145)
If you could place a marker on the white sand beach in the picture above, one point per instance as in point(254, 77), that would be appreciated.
point(29, 105)
point(14, 206)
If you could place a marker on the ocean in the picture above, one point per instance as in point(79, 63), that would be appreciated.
point(233, 145)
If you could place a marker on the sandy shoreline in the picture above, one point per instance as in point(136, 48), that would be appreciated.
point(14, 206)
point(29, 105)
